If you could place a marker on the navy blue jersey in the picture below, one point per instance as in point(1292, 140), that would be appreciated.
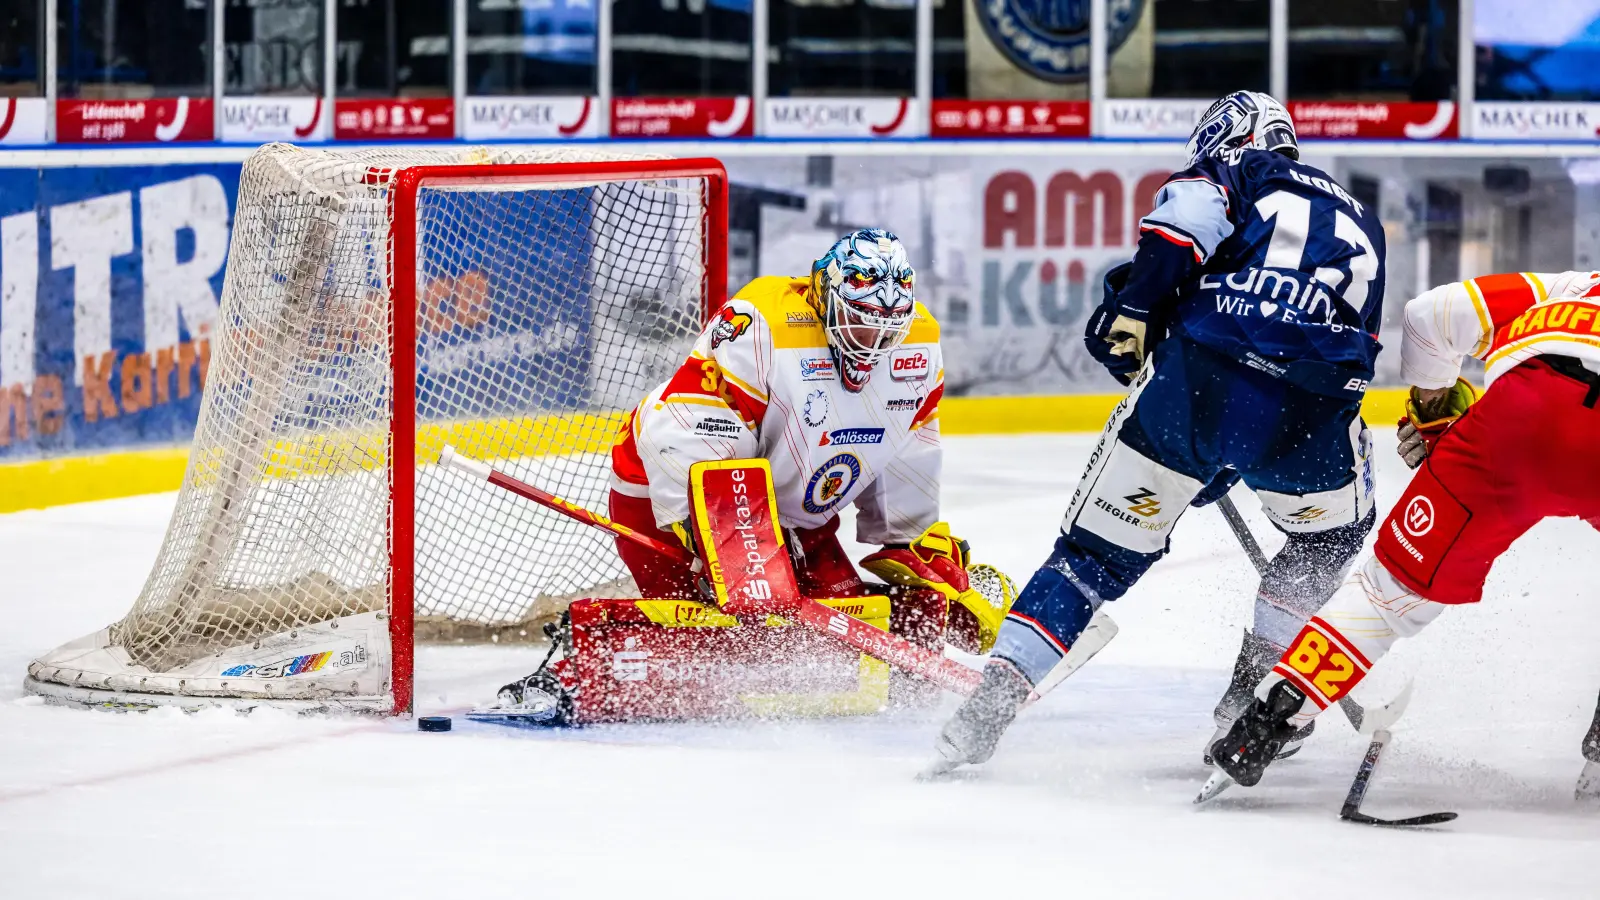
point(1268, 260)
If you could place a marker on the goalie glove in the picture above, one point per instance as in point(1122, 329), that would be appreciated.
point(938, 561)
point(1419, 432)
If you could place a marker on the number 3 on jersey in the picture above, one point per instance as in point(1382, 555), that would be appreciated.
point(1291, 228)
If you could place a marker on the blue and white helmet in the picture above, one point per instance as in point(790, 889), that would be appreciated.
point(861, 289)
point(1243, 120)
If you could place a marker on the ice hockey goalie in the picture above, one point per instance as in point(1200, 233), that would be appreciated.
point(834, 381)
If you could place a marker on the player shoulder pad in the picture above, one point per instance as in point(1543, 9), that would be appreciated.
point(781, 302)
point(924, 327)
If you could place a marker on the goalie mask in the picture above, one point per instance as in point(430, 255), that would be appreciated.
point(861, 289)
point(1243, 120)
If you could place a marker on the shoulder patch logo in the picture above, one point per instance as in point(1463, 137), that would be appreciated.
point(730, 324)
point(909, 365)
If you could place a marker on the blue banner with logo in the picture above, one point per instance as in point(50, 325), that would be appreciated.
point(109, 287)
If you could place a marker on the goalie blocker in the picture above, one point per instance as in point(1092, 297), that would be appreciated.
point(743, 652)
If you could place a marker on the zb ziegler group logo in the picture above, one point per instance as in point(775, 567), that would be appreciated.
point(1049, 39)
point(1144, 503)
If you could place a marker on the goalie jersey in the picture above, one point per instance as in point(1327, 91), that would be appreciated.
point(761, 381)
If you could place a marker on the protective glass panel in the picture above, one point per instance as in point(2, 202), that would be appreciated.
point(1537, 51)
point(393, 48)
point(112, 50)
point(21, 48)
point(1373, 50)
point(273, 47)
point(531, 48)
point(1199, 49)
point(848, 48)
point(668, 48)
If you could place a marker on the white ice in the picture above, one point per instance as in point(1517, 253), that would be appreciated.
point(1089, 795)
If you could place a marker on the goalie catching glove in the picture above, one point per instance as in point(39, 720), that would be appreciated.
point(938, 561)
point(1425, 423)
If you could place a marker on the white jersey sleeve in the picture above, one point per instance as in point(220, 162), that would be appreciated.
point(711, 408)
point(1454, 321)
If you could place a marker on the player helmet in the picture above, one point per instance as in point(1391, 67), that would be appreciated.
point(1241, 120)
point(861, 289)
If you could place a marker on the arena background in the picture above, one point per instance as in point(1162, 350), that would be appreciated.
point(1012, 143)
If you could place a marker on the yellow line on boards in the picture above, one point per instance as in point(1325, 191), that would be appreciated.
point(37, 484)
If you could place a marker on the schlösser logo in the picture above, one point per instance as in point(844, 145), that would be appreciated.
point(1419, 516)
point(849, 437)
point(909, 365)
point(1049, 39)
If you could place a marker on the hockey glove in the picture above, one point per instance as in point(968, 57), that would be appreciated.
point(1425, 423)
point(937, 561)
point(1097, 337)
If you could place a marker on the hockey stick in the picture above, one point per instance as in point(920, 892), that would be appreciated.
point(1363, 720)
point(890, 648)
point(1358, 792)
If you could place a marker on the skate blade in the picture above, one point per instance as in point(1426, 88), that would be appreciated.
point(1589, 784)
point(941, 770)
point(1216, 784)
point(524, 713)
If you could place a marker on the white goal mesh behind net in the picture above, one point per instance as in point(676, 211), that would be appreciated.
point(544, 312)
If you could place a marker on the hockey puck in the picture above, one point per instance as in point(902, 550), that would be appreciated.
point(433, 723)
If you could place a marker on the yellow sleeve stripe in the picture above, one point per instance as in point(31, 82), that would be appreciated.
point(1485, 324)
point(1539, 289)
point(741, 385)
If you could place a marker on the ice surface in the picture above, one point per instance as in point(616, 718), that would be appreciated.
point(1087, 797)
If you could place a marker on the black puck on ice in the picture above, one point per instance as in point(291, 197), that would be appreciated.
point(433, 723)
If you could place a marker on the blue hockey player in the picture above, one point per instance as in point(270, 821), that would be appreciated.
point(1246, 328)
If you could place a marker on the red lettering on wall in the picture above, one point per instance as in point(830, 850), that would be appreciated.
point(1009, 205)
point(1107, 186)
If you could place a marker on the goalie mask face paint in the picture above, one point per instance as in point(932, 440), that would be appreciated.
point(862, 289)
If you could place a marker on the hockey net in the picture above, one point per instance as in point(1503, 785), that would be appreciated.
point(379, 305)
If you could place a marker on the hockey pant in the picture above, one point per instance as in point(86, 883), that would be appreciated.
point(1194, 421)
point(1523, 452)
point(822, 569)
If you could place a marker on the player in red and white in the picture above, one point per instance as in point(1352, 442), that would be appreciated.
point(1490, 469)
point(835, 379)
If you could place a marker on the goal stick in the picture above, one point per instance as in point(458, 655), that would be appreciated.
point(890, 648)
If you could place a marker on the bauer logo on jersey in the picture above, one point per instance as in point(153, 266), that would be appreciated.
point(848, 437)
point(731, 323)
point(909, 365)
point(831, 483)
point(818, 368)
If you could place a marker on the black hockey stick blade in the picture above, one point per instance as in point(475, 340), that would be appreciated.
point(1361, 818)
point(1358, 792)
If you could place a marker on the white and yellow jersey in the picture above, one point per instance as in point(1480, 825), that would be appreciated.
point(761, 382)
point(1502, 320)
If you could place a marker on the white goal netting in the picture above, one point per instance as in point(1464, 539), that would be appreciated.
point(545, 310)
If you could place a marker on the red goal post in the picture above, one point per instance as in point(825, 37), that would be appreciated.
point(403, 334)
